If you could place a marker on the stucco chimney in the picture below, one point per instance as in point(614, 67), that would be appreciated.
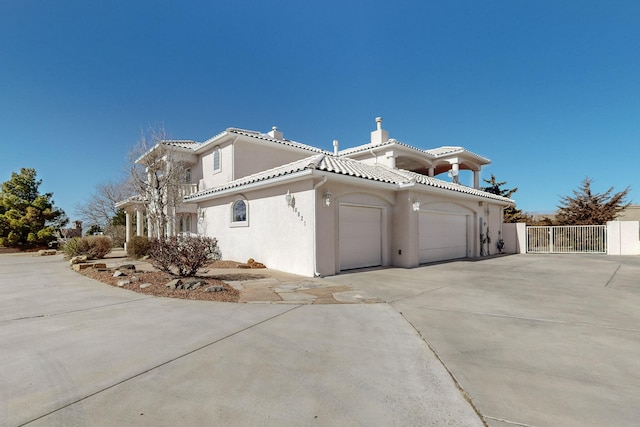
point(275, 133)
point(335, 147)
point(379, 136)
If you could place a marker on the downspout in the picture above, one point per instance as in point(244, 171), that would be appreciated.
point(374, 155)
point(315, 226)
point(233, 158)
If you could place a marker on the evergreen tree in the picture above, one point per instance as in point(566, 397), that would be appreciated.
point(511, 214)
point(588, 208)
point(27, 218)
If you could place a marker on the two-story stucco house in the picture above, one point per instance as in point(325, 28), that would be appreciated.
point(304, 210)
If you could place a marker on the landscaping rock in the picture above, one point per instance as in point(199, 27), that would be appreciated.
point(78, 259)
point(145, 285)
point(46, 252)
point(122, 283)
point(127, 267)
point(215, 288)
point(174, 284)
point(252, 263)
point(134, 279)
point(195, 284)
point(78, 267)
point(118, 273)
point(99, 265)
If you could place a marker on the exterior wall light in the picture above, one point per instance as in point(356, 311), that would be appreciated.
point(326, 198)
point(416, 206)
point(291, 201)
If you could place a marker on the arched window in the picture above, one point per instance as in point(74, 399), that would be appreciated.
point(239, 212)
point(216, 159)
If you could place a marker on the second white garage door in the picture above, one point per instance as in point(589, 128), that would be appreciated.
point(443, 236)
point(360, 242)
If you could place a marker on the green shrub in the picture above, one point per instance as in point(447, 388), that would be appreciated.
point(94, 247)
point(73, 247)
point(138, 246)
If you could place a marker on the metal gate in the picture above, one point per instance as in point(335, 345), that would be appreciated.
point(567, 239)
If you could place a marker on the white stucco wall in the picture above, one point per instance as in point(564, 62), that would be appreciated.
point(213, 178)
point(623, 238)
point(279, 236)
point(515, 235)
point(251, 157)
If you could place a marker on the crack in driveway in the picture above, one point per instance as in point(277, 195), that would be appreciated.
point(157, 366)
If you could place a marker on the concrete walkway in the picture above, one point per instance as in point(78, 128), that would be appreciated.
point(77, 352)
point(535, 340)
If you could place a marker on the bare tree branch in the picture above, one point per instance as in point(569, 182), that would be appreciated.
point(156, 174)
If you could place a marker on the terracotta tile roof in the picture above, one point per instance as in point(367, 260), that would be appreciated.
point(265, 137)
point(359, 169)
point(342, 166)
point(370, 146)
point(182, 143)
point(448, 150)
point(300, 165)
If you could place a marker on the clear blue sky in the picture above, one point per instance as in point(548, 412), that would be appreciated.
point(548, 90)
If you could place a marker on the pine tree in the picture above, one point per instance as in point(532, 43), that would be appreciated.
point(27, 218)
point(511, 214)
point(588, 208)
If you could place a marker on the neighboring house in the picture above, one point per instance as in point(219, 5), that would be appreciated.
point(631, 213)
point(304, 210)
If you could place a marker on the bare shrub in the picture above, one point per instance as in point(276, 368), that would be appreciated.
point(94, 247)
point(138, 246)
point(184, 255)
point(99, 246)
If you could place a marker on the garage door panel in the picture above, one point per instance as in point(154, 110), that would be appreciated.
point(360, 240)
point(443, 235)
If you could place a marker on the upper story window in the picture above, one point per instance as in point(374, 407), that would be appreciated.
point(216, 159)
point(239, 212)
point(187, 176)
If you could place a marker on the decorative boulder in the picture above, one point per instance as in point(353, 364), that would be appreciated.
point(174, 284)
point(78, 259)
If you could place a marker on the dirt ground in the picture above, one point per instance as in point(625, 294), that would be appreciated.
point(158, 280)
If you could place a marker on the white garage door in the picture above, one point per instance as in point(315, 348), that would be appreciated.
point(443, 235)
point(360, 242)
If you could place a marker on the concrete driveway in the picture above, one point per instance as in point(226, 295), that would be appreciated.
point(535, 340)
point(76, 352)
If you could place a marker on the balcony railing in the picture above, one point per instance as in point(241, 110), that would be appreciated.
point(187, 189)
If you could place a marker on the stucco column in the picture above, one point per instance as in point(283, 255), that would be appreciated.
point(127, 216)
point(455, 168)
point(139, 227)
point(432, 171)
point(476, 179)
